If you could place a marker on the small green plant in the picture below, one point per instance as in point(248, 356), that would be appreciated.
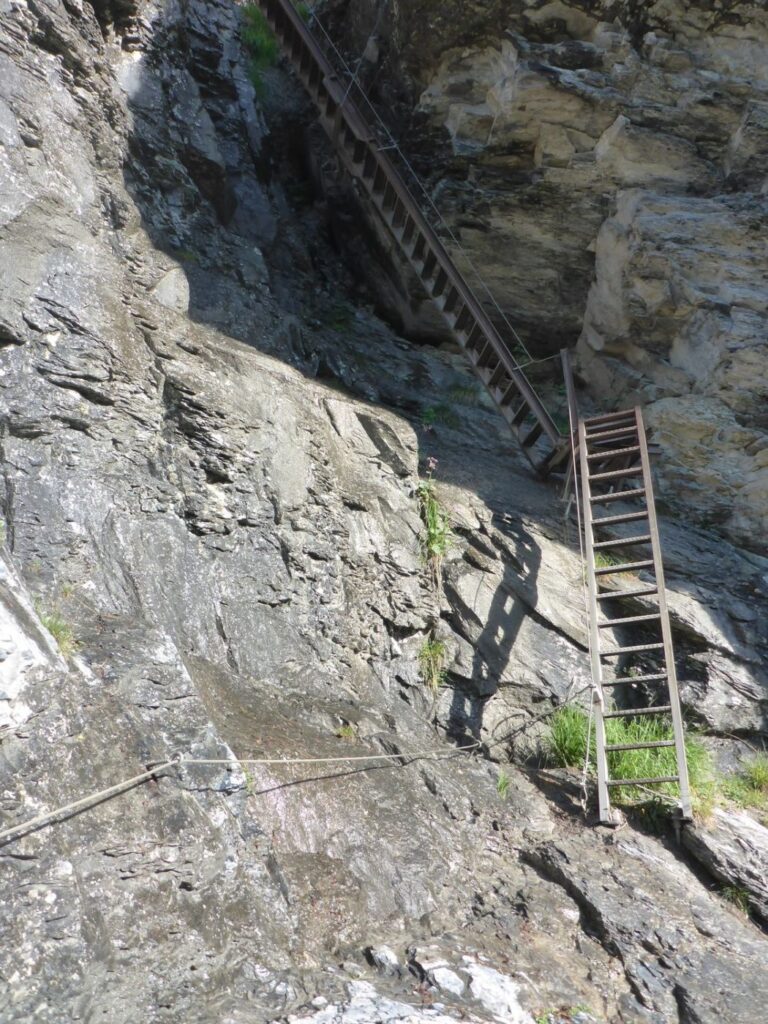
point(304, 11)
point(436, 540)
point(738, 896)
point(346, 732)
point(260, 43)
point(2, 532)
point(441, 413)
point(432, 663)
point(502, 784)
point(60, 630)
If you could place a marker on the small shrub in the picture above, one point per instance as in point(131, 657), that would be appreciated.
point(346, 732)
point(304, 11)
point(432, 663)
point(502, 784)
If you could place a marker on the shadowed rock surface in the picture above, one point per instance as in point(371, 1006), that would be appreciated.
point(210, 449)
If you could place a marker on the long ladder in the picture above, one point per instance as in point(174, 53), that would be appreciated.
point(366, 159)
point(614, 466)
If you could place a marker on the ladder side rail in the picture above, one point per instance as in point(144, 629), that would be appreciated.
point(358, 125)
point(666, 629)
point(603, 798)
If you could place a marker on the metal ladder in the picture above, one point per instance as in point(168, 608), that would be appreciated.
point(614, 466)
point(365, 158)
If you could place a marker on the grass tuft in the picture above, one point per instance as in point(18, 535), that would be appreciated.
point(502, 784)
point(737, 896)
point(432, 663)
point(346, 732)
point(61, 632)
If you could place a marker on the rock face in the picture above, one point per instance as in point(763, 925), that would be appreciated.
point(604, 166)
point(209, 458)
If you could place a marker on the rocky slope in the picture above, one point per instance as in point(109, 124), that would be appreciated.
point(210, 447)
point(605, 166)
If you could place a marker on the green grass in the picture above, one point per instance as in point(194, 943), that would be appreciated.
point(304, 11)
point(737, 896)
point(432, 663)
point(502, 784)
point(346, 732)
point(749, 786)
point(604, 560)
point(567, 747)
point(440, 413)
point(464, 395)
point(60, 630)
point(260, 43)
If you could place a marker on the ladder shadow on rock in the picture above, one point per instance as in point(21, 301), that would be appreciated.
point(494, 645)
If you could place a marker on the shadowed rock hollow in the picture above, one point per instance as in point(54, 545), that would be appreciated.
point(210, 449)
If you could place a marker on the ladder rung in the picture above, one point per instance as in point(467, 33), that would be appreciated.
point(614, 474)
point(533, 435)
point(609, 417)
point(643, 782)
point(614, 651)
point(624, 567)
point(660, 709)
point(606, 434)
point(620, 542)
point(614, 451)
point(648, 745)
point(626, 622)
point(625, 680)
point(635, 492)
point(520, 413)
point(625, 517)
point(639, 592)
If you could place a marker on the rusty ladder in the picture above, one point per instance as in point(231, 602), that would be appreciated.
point(614, 466)
point(366, 159)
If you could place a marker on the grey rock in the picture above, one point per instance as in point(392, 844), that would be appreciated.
point(734, 848)
point(384, 959)
point(447, 980)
